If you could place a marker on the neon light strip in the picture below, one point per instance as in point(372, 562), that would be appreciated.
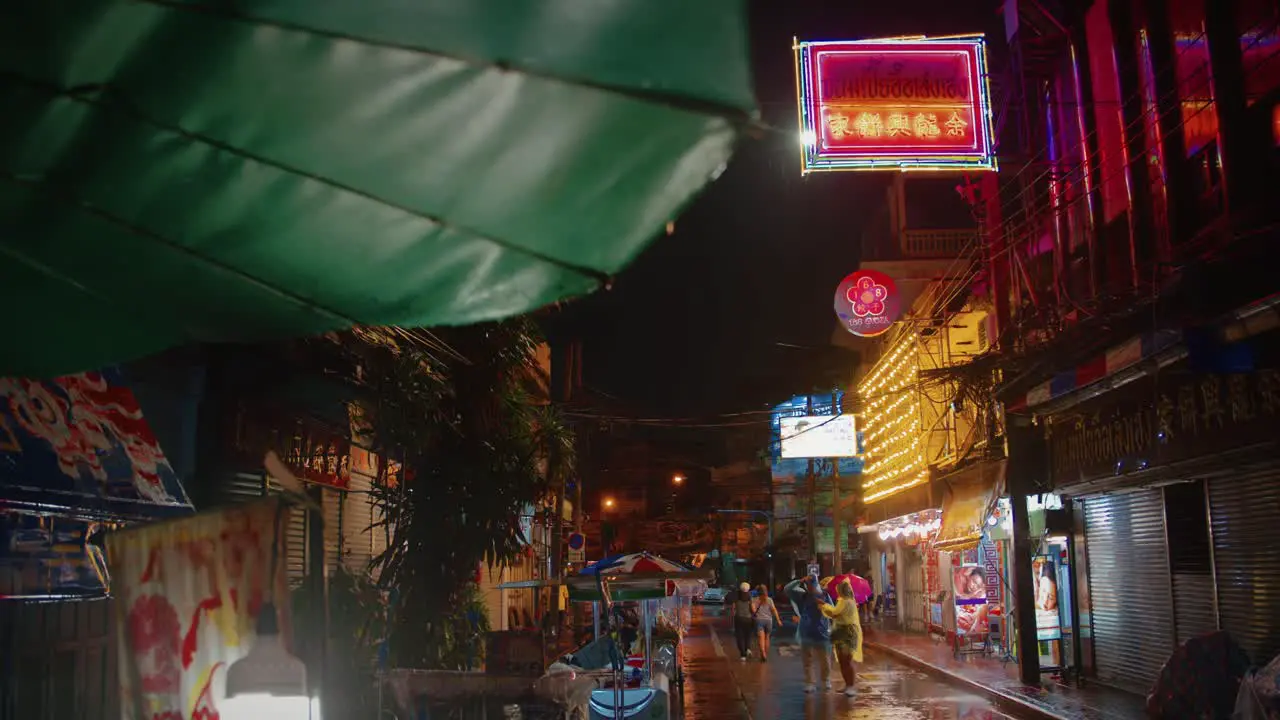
point(813, 159)
point(973, 105)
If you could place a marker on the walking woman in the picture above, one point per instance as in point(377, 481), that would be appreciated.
point(743, 620)
point(846, 634)
point(765, 613)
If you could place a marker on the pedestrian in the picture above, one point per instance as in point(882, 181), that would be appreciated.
point(765, 613)
point(743, 620)
point(815, 636)
point(846, 634)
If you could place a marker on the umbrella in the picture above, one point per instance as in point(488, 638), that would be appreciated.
point(644, 567)
point(641, 562)
point(187, 172)
point(861, 588)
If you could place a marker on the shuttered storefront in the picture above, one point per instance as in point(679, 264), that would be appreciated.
point(1244, 514)
point(914, 608)
point(1130, 586)
point(247, 487)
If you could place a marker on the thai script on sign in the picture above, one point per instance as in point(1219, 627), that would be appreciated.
point(875, 87)
point(869, 124)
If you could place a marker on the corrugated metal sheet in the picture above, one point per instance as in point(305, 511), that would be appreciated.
point(1245, 522)
point(62, 661)
point(333, 502)
point(357, 519)
point(1130, 587)
point(295, 537)
point(914, 609)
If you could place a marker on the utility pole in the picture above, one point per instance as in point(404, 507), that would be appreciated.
point(562, 374)
point(836, 542)
point(812, 491)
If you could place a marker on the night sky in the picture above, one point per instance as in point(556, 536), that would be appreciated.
point(693, 326)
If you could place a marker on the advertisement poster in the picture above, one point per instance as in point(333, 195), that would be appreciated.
point(969, 587)
point(1044, 572)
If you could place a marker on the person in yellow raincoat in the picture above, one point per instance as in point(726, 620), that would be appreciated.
point(846, 634)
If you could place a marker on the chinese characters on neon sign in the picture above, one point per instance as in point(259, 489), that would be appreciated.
point(918, 104)
point(867, 303)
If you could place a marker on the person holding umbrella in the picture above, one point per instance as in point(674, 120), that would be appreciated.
point(846, 634)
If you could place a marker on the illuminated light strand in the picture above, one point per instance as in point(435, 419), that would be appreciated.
point(920, 479)
point(893, 447)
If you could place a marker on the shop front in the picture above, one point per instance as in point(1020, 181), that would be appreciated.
point(897, 552)
point(1173, 482)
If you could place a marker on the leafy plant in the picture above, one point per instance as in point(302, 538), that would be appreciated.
point(472, 441)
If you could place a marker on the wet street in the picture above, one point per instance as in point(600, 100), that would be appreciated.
point(720, 687)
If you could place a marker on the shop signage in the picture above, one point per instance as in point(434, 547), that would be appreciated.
point(1148, 423)
point(867, 303)
point(913, 104)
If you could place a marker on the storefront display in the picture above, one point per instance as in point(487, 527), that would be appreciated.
point(1048, 626)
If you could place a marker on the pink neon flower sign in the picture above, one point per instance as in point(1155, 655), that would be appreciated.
point(867, 303)
point(867, 297)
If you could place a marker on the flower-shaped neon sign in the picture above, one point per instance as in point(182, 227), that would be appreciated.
point(867, 297)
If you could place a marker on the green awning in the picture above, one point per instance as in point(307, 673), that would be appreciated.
point(178, 171)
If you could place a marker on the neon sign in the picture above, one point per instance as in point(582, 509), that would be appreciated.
point(867, 303)
point(902, 104)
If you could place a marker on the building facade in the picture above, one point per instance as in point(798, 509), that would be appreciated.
point(1129, 238)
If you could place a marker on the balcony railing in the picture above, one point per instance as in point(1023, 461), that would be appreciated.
point(936, 243)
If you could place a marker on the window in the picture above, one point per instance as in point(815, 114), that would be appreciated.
point(1259, 45)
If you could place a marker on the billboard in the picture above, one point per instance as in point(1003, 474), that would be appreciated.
point(901, 104)
point(819, 436)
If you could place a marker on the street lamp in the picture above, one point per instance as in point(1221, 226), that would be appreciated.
point(269, 681)
point(678, 479)
point(609, 503)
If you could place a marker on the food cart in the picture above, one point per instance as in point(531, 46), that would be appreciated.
point(641, 606)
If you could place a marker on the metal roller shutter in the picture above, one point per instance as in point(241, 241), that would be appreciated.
point(357, 519)
point(1244, 513)
point(334, 504)
point(295, 540)
point(1130, 587)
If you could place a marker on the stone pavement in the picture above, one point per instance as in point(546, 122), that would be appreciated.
point(720, 687)
point(999, 681)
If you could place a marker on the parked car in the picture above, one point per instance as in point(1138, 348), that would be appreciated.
point(714, 596)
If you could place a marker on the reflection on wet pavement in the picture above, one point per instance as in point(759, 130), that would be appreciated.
point(720, 687)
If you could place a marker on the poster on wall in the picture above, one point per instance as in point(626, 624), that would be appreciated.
point(969, 587)
point(1044, 572)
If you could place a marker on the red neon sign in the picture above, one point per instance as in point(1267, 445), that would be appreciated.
point(867, 303)
point(914, 104)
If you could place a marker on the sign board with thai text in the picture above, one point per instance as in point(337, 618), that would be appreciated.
point(1151, 423)
point(902, 104)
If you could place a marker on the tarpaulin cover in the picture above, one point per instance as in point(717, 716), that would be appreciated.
point(966, 507)
point(176, 171)
point(188, 594)
point(78, 445)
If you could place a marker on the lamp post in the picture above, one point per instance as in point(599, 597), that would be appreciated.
point(768, 516)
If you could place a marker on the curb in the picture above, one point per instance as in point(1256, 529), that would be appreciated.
point(1002, 699)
